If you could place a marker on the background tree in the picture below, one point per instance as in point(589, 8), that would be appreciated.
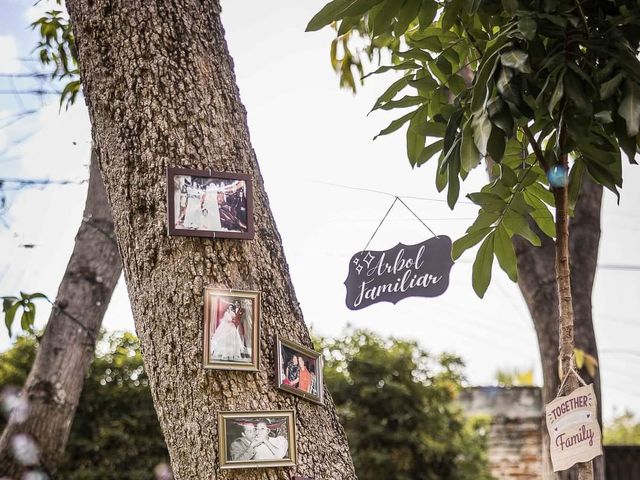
point(397, 406)
point(533, 87)
point(66, 348)
point(115, 434)
point(160, 89)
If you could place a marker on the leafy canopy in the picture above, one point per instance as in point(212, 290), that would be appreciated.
point(533, 87)
point(396, 404)
point(115, 432)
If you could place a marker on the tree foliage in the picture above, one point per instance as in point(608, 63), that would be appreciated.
point(524, 84)
point(57, 49)
point(623, 430)
point(10, 306)
point(397, 406)
point(115, 434)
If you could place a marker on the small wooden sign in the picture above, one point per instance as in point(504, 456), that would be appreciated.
point(573, 428)
point(420, 270)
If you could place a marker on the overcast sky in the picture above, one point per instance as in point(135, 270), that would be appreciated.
point(310, 136)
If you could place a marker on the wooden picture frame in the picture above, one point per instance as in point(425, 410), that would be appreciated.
point(287, 352)
point(209, 204)
point(239, 435)
point(228, 316)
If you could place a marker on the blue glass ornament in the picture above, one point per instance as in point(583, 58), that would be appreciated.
point(558, 176)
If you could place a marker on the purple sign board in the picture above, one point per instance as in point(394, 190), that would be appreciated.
point(420, 270)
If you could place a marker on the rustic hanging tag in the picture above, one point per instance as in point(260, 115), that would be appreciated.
point(573, 428)
point(420, 270)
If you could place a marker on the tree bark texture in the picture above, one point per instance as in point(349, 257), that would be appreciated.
point(67, 346)
point(161, 91)
point(537, 282)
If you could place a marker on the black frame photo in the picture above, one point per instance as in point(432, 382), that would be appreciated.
point(209, 204)
point(299, 370)
point(257, 439)
point(231, 329)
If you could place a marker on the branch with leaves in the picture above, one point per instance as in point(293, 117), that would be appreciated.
point(511, 83)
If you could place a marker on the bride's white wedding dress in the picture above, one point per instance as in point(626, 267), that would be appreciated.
point(226, 343)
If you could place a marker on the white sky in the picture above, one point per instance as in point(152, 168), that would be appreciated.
point(307, 131)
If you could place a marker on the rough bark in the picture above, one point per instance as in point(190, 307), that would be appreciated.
point(161, 91)
point(67, 346)
point(536, 273)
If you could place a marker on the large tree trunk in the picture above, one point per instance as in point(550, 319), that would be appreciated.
point(66, 349)
point(536, 273)
point(161, 91)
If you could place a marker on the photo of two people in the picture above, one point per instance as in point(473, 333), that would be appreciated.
point(257, 439)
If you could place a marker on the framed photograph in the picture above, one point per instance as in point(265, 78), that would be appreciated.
point(257, 439)
point(299, 370)
point(231, 329)
point(209, 204)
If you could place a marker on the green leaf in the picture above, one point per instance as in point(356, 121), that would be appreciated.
point(507, 176)
point(558, 93)
point(449, 16)
point(347, 24)
point(404, 102)
point(427, 13)
point(490, 202)
point(454, 181)
point(391, 92)
point(527, 27)
point(610, 87)
point(481, 274)
point(485, 219)
point(628, 144)
point(337, 10)
point(541, 215)
point(383, 19)
point(481, 126)
point(429, 151)
point(469, 154)
point(415, 138)
point(505, 253)
point(496, 145)
point(481, 84)
point(629, 108)
point(467, 241)
point(575, 90)
point(9, 315)
point(575, 183)
point(517, 224)
point(516, 59)
point(396, 124)
point(400, 66)
point(409, 11)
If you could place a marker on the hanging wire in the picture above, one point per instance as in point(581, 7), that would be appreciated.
point(381, 222)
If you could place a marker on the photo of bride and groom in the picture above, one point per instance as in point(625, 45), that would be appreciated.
point(216, 204)
point(231, 329)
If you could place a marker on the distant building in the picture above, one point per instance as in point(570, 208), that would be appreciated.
point(515, 440)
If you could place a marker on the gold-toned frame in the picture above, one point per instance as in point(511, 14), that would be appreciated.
point(282, 462)
point(209, 296)
point(317, 356)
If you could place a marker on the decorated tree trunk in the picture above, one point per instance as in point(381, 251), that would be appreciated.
point(67, 346)
point(161, 91)
point(536, 268)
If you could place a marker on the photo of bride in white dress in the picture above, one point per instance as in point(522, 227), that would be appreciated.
point(231, 329)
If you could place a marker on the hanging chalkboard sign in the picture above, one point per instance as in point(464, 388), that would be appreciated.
point(420, 270)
